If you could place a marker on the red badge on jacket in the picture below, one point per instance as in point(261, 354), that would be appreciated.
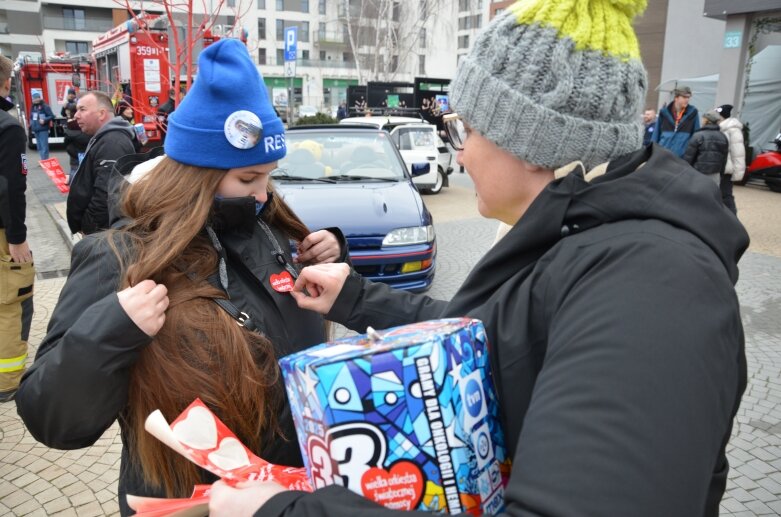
point(282, 283)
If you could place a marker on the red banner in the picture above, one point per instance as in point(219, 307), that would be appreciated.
point(54, 171)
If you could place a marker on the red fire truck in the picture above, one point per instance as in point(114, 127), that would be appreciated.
point(51, 78)
point(134, 56)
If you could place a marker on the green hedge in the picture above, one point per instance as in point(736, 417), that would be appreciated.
point(320, 118)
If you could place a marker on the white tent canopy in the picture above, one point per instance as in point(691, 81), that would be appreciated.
point(762, 108)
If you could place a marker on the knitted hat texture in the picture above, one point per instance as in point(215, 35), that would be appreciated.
point(226, 120)
point(554, 81)
point(725, 110)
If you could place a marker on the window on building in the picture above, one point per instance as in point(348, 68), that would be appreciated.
point(304, 6)
point(261, 28)
point(394, 63)
point(396, 11)
point(347, 57)
point(280, 56)
point(463, 23)
point(305, 54)
point(463, 41)
point(280, 5)
point(422, 38)
point(422, 65)
point(261, 4)
point(477, 22)
point(463, 5)
point(321, 30)
point(280, 30)
point(498, 11)
point(303, 31)
point(76, 47)
point(74, 18)
point(321, 7)
point(261, 56)
point(231, 3)
point(322, 55)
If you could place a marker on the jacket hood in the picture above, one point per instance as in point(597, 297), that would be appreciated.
point(655, 184)
point(115, 124)
point(5, 104)
point(730, 123)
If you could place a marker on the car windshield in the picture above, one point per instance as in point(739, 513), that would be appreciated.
point(416, 138)
point(339, 157)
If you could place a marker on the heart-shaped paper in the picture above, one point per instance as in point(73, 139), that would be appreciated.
point(198, 430)
point(398, 488)
point(231, 455)
point(282, 283)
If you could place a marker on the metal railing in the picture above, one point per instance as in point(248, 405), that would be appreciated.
point(72, 24)
point(338, 37)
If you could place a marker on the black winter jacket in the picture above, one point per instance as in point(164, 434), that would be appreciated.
point(616, 345)
point(13, 176)
point(78, 384)
point(708, 150)
point(87, 201)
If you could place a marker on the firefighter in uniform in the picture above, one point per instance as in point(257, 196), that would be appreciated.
point(16, 263)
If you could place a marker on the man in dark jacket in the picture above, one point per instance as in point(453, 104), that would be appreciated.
point(677, 122)
point(708, 148)
point(112, 138)
point(16, 268)
point(616, 343)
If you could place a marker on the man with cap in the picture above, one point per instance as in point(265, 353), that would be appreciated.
point(70, 99)
point(112, 138)
point(677, 122)
point(615, 334)
point(40, 119)
point(17, 273)
point(708, 148)
point(736, 161)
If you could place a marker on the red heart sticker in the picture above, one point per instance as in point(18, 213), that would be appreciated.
point(282, 283)
point(398, 488)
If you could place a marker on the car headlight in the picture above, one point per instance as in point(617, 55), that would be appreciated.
point(411, 235)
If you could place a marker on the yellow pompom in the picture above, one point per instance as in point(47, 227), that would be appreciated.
point(600, 25)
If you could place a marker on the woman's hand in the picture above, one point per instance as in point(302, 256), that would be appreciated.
point(323, 282)
point(242, 501)
point(145, 303)
point(319, 247)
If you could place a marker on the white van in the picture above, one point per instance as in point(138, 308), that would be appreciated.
point(418, 142)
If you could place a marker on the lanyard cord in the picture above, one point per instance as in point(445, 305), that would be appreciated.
point(678, 118)
point(279, 255)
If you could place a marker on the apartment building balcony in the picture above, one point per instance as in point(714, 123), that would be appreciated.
point(330, 39)
point(71, 24)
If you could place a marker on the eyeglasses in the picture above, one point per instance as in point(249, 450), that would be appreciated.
point(455, 130)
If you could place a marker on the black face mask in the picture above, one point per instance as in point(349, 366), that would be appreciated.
point(235, 213)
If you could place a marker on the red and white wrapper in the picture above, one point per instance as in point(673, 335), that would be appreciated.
point(198, 435)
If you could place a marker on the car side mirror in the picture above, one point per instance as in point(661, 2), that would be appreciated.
point(419, 169)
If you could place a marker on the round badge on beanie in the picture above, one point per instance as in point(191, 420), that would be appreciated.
point(554, 81)
point(226, 119)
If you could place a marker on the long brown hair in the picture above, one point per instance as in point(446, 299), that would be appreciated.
point(200, 350)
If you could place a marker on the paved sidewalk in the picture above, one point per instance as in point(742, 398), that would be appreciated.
point(41, 481)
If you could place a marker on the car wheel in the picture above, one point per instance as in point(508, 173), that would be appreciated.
point(438, 185)
point(773, 184)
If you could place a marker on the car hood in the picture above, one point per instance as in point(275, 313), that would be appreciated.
point(358, 209)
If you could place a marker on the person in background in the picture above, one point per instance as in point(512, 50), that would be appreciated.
point(138, 327)
point(166, 109)
point(708, 148)
point(76, 140)
point(677, 122)
point(125, 112)
point(736, 160)
point(111, 138)
point(70, 98)
point(17, 273)
point(342, 111)
point(649, 120)
point(617, 347)
point(41, 117)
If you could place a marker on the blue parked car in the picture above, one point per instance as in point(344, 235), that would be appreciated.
point(355, 179)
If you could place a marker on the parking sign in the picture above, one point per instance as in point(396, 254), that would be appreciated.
point(291, 43)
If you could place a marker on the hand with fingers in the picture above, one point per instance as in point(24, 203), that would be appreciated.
point(145, 303)
point(319, 247)
point(20, 253)
point(318, 286)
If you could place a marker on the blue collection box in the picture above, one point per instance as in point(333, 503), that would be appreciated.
point(407, 417)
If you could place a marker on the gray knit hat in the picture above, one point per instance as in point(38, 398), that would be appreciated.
point(554, 81)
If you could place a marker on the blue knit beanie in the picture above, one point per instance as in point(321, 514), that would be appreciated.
point(226, 120)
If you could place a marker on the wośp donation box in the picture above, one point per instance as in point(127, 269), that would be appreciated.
point(407, 417)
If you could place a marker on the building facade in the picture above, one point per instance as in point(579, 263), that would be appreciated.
point(340, 42)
